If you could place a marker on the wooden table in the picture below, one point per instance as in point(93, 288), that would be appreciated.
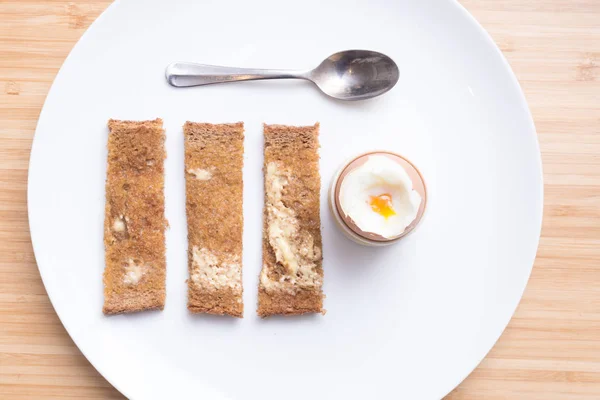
point(550, 350)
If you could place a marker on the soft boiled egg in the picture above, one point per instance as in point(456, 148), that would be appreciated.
point(377, 196)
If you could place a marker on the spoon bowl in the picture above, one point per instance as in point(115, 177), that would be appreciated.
point(347, 75)
point(356, 75)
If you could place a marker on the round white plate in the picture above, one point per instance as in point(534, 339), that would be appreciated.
point(409, 321)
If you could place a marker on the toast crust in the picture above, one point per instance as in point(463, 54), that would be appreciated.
point(134, 222)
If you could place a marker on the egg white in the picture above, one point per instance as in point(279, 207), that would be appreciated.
point(379, 175)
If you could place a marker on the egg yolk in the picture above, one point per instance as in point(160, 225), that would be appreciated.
point(382, 205)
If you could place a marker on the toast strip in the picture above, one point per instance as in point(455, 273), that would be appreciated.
point(214, 184)
point(292, 275)
point(134, 221)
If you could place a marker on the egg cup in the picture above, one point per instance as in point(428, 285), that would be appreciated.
point(345, 223)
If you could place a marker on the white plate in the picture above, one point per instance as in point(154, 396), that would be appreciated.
point(409, 321)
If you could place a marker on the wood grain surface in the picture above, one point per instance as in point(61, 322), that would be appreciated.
point(550, 350)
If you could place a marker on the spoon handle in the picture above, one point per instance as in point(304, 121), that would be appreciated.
point(183, 74)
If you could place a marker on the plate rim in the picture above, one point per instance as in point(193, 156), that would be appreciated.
point(523, 100)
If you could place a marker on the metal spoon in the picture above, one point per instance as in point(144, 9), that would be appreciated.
point(347, 75)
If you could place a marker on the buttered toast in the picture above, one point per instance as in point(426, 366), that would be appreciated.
point(214, 184)
point(292, 275)
point(134, 221)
